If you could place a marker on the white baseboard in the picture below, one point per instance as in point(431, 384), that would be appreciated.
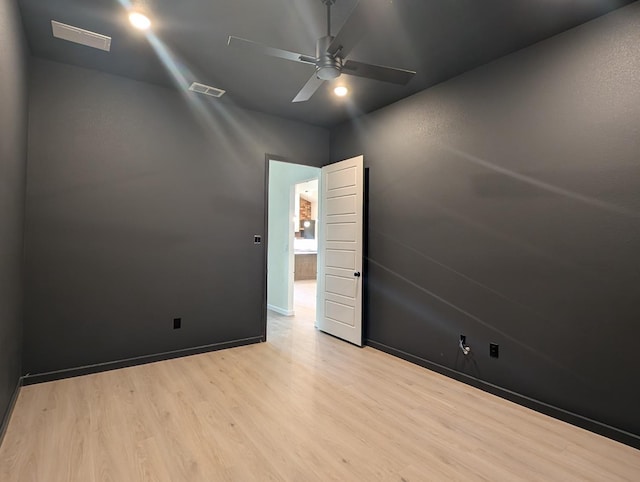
point(281, 311)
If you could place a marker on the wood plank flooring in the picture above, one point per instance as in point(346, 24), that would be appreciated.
point(302, 407)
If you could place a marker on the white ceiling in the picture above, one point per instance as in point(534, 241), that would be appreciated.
point(308, 190)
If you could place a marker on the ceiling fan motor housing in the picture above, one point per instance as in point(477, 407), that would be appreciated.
point(328, 67)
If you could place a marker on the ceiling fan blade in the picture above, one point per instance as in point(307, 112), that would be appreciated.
point(358, 22)
point(377, 72)
point(271, 51)
point(309, 89)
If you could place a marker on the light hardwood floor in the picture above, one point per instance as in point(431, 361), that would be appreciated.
point(302, 407)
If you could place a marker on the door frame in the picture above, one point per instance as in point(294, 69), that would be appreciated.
point(265, 235)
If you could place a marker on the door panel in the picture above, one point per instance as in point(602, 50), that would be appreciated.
point(345, 232)
point(340, 285)
point(341, 205)
point(339, 308)
point(340, 313)
point(340, 259)
point(345, 177)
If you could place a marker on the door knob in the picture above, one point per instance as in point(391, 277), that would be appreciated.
point(357, 274)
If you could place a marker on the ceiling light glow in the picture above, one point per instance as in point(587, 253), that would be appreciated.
point(341, 91)
point(139, 20)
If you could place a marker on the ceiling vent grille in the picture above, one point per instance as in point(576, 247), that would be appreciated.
point(80, 36)
point(206, 90)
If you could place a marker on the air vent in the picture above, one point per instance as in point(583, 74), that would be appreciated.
point(80, 36)
point(206, 89)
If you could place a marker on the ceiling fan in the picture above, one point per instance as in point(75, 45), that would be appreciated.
point(330, 59)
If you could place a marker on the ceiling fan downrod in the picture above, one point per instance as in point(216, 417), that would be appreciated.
point(328, 66)
point(328, 3)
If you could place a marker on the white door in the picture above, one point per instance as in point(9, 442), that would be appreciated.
point(339, 307)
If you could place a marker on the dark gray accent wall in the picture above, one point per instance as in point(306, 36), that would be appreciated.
point(505, 205)
point(141, 208)
point(13, 159)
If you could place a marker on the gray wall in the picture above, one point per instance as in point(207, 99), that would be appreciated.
point(140, 210)
point(13, 159)
point(505, 205)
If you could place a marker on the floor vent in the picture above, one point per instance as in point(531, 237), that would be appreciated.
point(80, 36)
point(206, 89)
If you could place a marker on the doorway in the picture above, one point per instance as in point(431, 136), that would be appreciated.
point(305, 246)
point(292, 246)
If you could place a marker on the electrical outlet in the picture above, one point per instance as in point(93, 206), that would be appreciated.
point(177, 323)
point(494, 350)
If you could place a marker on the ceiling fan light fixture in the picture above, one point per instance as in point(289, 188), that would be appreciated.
point(341, 91)
point(139, 20)
point(327, 73)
